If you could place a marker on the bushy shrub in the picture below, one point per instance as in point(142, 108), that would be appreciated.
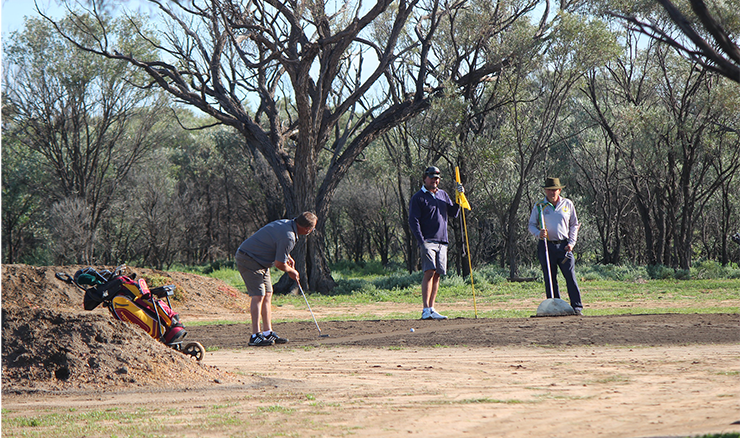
point(711, 269)
point(398, 281)
point(492, 274)
point(373, 267)
point(157, 280)
point(207, 268)
point(348, 286)
point(682, 274)
point(660, 272)
point(612, 272)
point(455, 281)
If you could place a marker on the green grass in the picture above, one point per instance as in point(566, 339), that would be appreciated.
point(139, 423)
point(708, 288)
point(720, 435)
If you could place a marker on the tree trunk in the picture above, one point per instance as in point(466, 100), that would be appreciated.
point(512, 223)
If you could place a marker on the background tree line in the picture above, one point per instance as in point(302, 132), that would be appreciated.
point(105, 162)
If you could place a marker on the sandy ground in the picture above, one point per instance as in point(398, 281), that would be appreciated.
point(440, 392)
point(627, 376)
point(512, 392)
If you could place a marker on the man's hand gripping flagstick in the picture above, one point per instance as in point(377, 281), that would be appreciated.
point(463, 203)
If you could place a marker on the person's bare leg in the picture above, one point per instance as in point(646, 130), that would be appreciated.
point(267, 313)
point(434, 288)
point(427, 287)
point(255, 307)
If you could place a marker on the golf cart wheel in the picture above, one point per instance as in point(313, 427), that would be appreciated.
point(194, 349)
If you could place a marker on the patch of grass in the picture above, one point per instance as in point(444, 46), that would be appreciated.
point(229, 275)
point(325, 405)
point(489, 400)
point(703, 290)
point(720, 435)
point(616, 378)
point(109, 422)
point(482, 400)
point(275, 409)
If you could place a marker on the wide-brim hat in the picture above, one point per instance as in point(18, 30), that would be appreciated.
point(553, 183)
point(432, 172)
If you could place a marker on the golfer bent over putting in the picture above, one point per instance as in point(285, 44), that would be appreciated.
point(428, 212)
point(269, 246)
point(559, 233)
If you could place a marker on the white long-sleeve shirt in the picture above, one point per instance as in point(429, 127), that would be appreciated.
point(561, 220)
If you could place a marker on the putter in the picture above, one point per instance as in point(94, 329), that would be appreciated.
point(309, 309)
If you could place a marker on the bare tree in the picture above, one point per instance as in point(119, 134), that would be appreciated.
point(538, 108)
point(79, 114)
point(704, 36)
point(675, 145)
point(303, 66)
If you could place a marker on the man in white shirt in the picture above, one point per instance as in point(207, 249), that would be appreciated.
point(559, 232)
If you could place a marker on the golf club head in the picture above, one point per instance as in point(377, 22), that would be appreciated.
point(323, 336)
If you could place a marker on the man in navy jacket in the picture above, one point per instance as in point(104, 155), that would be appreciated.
point(428, 212)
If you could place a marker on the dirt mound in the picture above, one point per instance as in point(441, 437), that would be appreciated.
point(37, 287)
point(46, 350)
point(50, 344)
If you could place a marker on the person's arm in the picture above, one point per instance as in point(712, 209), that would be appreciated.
point(285, 267)
point(453, 208)
point(283, 259)
point(414, 225)
point(534, 223)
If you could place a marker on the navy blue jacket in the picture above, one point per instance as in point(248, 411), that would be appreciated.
point(428, 215)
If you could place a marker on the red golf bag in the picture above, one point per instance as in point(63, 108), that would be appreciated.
point(132, 301)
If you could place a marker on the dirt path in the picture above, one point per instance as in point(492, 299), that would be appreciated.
point(516, 392)
point(511, 392)
point(617, 376)
point(68, 373)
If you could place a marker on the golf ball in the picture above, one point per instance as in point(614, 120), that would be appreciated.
point(412, 330)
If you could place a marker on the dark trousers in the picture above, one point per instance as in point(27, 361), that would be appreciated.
point(567, 262)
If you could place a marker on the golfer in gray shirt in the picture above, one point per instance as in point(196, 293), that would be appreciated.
point(269, 246)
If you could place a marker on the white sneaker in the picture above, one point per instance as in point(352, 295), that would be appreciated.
point(426, 314)
point(435, 315)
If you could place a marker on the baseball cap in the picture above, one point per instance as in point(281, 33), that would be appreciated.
point(432, 172)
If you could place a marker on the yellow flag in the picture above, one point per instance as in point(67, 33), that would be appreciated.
point(460, 198)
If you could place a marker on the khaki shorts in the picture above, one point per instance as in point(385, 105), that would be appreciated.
point(434, 257)
point(255, 276)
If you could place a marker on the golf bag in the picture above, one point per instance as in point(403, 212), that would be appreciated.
point(131, 300)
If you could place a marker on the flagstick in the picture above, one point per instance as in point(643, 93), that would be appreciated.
point(470, 265)
point(467, 244)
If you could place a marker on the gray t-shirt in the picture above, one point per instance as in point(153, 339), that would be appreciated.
point(272, 243)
